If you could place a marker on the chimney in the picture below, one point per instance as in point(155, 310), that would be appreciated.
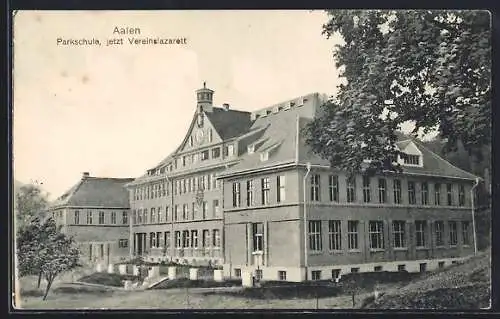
point(225, 106)
point(85, 175)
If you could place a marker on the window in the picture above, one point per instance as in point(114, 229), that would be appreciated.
point(316, 274)
point(204, 210)
point(411, 193)
point(412, 159)
point(249, 192)
point(398, 234)
point(333, 183)
point(166, 213)
point(441, 264)
point(209, 182)
point(315, 182)
point(186, 239)
point(382, 187)
point(205, 240)
point(124, 218)
point(437, 194)
point(122, 243)
point(377, 268)
point(265, 190)
point(145, 215)
point(397, 191)
point(191, 141)
point(280, 180)
point(237, 272)
point(315, 243)
point(160, 215)
point(214, 182)
point(352, 234)
point(376, 229)
point(258, 236)
point(193, 210)
point(166, 239)
point(461, 195)
point(354, 270)
point(439, 227)
point(152, 240)
point(425, 193)
point(465, 233)
point(185, 211)
point(194, 238)
point(216, 152)
point(176, 212)
point(366, 189)
point(228, 150)
point(216, 208)
point(453, 233)
point(77, 217)
point(258, 274)
point(236, 194)
point(101, 217)
point(423, 267)
point(153, 215)
point(210, 136)
point(449, 194)
point(420, 230)
point(351, 189)
point(401, 267)
point(204, 155)
point(281, 275)
point(216, 238)
point(335, 273)
point(334, 235)
point(113, 217)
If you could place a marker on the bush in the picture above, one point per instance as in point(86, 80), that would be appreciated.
point(114, 280)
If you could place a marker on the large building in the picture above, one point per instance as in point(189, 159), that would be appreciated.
point(95, 211)
point(244, 190)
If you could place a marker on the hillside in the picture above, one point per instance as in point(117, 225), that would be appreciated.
point(460, 286)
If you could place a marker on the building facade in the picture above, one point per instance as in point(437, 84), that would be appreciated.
point(96, 213)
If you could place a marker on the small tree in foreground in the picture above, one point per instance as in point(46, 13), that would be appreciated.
point(44, 250)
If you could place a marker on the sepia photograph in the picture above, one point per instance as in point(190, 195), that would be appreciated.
point(185, 160)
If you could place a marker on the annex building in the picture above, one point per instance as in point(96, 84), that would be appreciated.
point(243, 190)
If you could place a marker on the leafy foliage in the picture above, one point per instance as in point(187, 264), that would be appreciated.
point(42, 249)
point(30, 203)
point(432, 68)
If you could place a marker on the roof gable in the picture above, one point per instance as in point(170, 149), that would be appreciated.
point(229, 123)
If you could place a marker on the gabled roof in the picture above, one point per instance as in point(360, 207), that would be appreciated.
point(96, 192)
point(229, 123)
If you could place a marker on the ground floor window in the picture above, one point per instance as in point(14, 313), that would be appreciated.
point(401, 267)
point(316, 274)
point(376, 231)
point(355, 270)
point(335, 273)
point(282, 275)
point(377, 268)
point(123, 243)
point(423, 267)
point(441, 264)
point(237, 272)
point(258, 274)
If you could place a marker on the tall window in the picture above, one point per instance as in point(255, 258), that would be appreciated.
point(193, 210)
point(178, 239)
point(421, 229)
point(205, 209)
point(176, 212)
point(166, 213)
point(166, 239)
point(194, 238)
point(77, 217)
point(236, 194)
point(145, 216)
point(152, 239)
point(411, 193)
point(439, 227)
point(216, 238)
point(216, 208)
point(186, 239)
point(398, 234)
point(216, 152)
point(315, 243)
point(265, 190)
point(315, 182)
point(139, 216)
point(204, 155)
point(258, 236)
point(160, 214)
point(352, 234)
point(437, 194)
point(376, 232)
point(153, 215)
point(124, 218)
point(453, 233)
point(461, 195)
point(113, 217)
point(101, 217)
point(206, 238)
point(449, 194)
point(351, 189)
point(397, 191)
point(465, 233)
point(425, 193)
point(382, 190)
point(250, 193)
point(366, 189)
point(333, 183)
point(280, 180)
point(334, 235)
point(185, 211)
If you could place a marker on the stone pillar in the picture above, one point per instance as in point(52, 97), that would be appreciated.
point(218, 275)
point(246, 278)
point(172, 273)
point(99, 267)
point(111, 268)
point(154, 272)
point(122, 269)
point(193, 273)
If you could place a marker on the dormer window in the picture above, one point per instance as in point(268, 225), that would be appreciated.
point(264, 156)
point(412, 160)
point(251, 148)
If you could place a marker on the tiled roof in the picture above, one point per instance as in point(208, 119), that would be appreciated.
point(229, 123)
point(97, 192)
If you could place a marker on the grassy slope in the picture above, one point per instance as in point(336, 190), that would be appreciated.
point(461, 286)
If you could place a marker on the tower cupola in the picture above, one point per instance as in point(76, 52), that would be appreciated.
point(204, 97)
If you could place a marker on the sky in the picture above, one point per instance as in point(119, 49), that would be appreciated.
point(115, 111)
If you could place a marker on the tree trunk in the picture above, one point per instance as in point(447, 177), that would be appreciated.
point(39, 279)
point(49, 284)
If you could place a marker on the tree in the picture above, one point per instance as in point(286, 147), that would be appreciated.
point(44, 250)
point(30, 203)
point(431, 68)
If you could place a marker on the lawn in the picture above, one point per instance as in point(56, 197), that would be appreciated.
point(114, 280)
